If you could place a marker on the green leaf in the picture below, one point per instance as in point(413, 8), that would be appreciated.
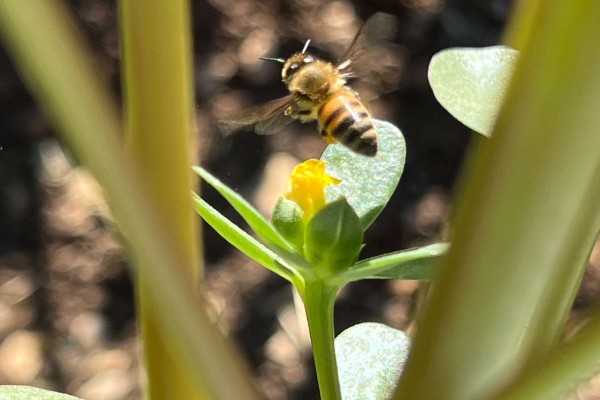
point(333, 238)
point(471, 83)
point(287, 219)
point(370, 359)
point(244, 242)
point(17, 392)
point(367, 182)
point(259, 224)
point(415, 264)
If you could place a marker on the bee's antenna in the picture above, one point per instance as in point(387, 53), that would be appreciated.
point(279, 60)
point(305, 46)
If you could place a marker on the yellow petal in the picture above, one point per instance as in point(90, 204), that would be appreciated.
point(306, 186)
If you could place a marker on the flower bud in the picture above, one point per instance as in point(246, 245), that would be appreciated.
point(333, 238)
point(288, 220)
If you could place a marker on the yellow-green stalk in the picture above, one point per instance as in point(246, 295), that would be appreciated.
point(526, 221)
point(55, 63)
point(157, 83)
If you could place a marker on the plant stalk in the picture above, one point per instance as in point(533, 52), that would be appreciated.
point(158, 103)
point(319, 300)
point(553, 378)
point(53, 60)
point(524, 224)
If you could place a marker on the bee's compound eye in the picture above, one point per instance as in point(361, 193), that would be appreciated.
point(308, 59)
point(294, 66)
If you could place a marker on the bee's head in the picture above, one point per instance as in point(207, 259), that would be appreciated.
point(294, 63)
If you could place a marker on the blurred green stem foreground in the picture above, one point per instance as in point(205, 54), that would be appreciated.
point(198, 362)
point(525, 223)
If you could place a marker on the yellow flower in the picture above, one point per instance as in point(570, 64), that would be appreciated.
point(306, 187)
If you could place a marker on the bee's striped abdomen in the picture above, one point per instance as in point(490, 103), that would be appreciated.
point(343, 118)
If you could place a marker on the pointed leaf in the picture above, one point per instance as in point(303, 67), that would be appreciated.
point(242, 241)
point(370, 359)
point(367, 182)
point(415, 264)
point(259, 224)
point(471, 83)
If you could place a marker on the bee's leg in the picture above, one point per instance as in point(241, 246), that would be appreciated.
point(302, 114)
point(289, 112)
point(326, 136)
point(330, 139)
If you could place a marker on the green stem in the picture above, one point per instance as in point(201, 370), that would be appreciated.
point(318, 300)
point(157, 82)
point(528, 205)
point(41, 37)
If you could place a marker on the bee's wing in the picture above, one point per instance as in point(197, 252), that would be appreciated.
point(266, 119)
point(371, 56)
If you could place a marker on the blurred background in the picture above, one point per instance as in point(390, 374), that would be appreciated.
point(66, 302)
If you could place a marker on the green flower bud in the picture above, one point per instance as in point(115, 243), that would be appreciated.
point(333, 238)
point(288, 220)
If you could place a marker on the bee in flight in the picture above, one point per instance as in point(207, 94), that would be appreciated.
point(319, 92)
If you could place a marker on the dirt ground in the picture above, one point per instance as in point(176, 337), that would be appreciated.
point(66, 301)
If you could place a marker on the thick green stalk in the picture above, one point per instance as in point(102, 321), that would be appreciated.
point(157, 82)
point(55, 63)
point(524, 222)
point(318, 301)
point(555, 377)
point(159, 108)
point(571, 363)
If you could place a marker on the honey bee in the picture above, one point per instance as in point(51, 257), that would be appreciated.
point(319, 91)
